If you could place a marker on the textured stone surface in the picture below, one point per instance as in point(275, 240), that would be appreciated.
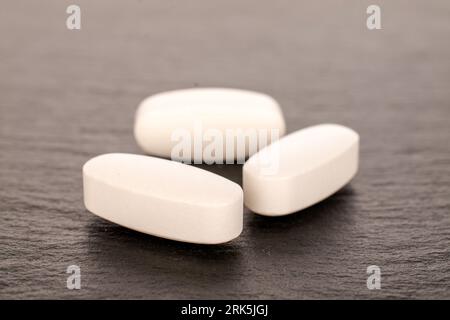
point(66, 96)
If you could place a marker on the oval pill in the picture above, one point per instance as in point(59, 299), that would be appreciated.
point(163, 120)
point(163, 198)
point(300, 169)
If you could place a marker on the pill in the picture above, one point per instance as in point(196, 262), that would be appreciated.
point(212, 125)
point(300, 169)
point(163, 198)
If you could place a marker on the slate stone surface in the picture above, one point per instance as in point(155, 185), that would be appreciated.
point(66, 96)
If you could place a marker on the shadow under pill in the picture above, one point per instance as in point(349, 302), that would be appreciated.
point(319, 225)
point(155, 260)
point(232, 172)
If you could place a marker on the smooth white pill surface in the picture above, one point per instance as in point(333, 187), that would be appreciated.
point(203, 113)
point(300, 169)
point(163, 198)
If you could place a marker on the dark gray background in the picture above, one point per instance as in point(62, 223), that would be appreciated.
point(66, 96)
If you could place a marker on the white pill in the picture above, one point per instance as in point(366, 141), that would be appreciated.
point(300, 170)
point(235, 123)
point(163, 198)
